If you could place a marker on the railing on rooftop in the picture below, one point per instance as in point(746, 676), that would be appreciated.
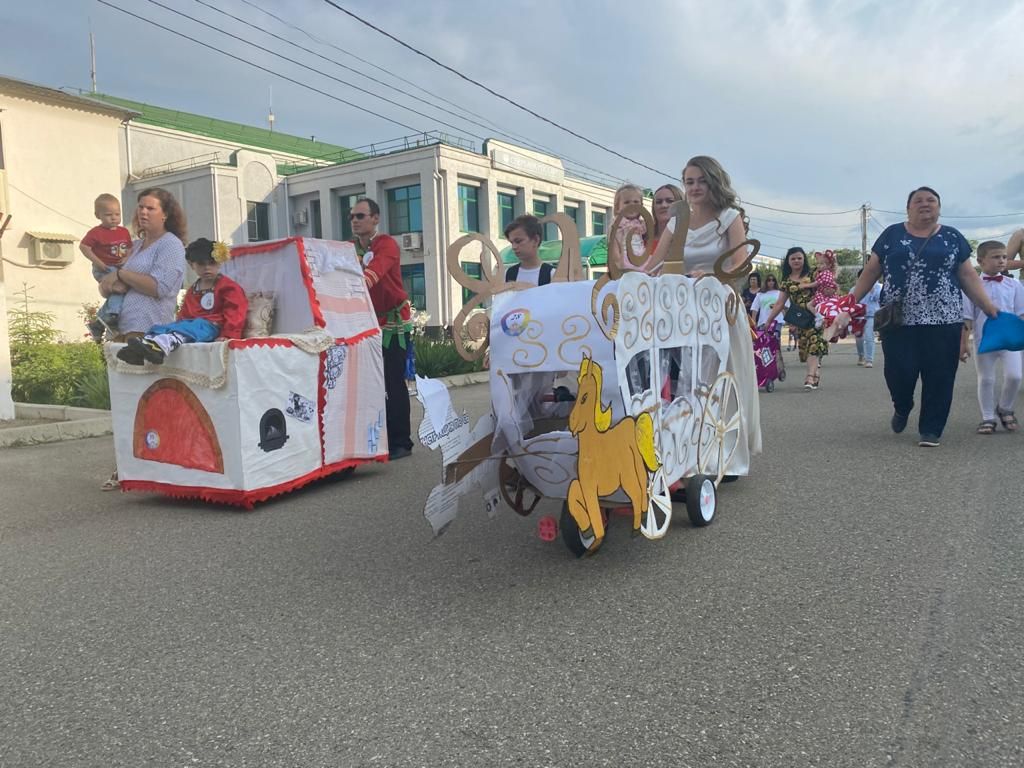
point(185, 164)
point(377, 149)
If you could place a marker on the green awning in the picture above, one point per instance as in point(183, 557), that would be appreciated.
point(593, 250)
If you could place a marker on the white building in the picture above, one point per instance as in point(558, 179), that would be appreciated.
point(433, 193)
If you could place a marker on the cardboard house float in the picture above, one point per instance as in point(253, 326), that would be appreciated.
point(238, 421)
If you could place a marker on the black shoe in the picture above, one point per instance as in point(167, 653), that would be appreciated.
point(399, 453)
point(131, 352)
point(899, 422)
point(96, 329)
point(928, 441)
point(151, 352)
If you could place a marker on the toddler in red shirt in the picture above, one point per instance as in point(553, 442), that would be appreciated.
point(107, 246)
point(214, 307)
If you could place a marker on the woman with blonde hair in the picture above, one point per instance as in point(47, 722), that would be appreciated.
point(717, 225)
point(665, 197)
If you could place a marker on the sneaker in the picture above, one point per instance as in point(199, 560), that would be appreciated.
point(860, 361)
point(96, 329)
point(928, 441)
point(899, 422)
point(151, 351)
point(131, 352)
point(869, 365)
point(399, 453)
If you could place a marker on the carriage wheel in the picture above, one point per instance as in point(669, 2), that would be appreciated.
point(659, 507)
point(719, 427)
point(701, 500)
point(571, 536)
point(518, 494)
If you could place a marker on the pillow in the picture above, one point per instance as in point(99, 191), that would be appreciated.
point(260, 317)
point(1004, 331)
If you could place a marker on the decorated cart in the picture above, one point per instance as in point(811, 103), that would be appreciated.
point(241, 420)
point(606, 394)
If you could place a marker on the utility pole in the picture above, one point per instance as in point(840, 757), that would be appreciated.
point(92, 52)
point(864, 212)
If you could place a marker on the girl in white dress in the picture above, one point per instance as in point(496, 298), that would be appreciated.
point(716, 225)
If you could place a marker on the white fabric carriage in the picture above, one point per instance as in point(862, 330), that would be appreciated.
point(666, 352)
point(242, 420)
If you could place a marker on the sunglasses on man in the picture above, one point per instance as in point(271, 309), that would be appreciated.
point(357, 216)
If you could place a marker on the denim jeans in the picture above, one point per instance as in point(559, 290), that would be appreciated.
point(111, 308)
point(866, 343)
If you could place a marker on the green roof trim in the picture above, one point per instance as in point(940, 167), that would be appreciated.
point(226, 130)
point(593, 251)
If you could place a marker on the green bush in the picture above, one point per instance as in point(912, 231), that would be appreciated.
point(54, 372)
point(46, 370)
point(439, 357)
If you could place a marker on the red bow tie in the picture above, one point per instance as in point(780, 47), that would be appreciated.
point(993, 278)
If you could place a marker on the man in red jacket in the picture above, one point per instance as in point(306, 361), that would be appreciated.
point(382, 270)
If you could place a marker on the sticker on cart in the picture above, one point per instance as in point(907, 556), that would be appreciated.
point(301, 408)
point(515, 322)
point(152, 439)
point(334, 365)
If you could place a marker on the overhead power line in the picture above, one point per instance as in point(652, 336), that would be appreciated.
point(986, 216)
point(487, 123)
point(494, 93)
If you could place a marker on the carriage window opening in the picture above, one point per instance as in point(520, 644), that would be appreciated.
point(675, 377)
point(638, 372)
point(709, 363)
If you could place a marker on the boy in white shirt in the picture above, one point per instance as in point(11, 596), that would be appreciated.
point(1008, 296)
point(524, 234)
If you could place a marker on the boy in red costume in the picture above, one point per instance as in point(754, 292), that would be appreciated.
point(381, 261)
point(214, 307)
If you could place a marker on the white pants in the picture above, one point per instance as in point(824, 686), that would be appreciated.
point(986, 365)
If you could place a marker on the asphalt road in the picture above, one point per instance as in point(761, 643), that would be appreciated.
point(858, 602)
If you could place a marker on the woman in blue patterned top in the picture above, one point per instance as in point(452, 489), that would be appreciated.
point(925, 265)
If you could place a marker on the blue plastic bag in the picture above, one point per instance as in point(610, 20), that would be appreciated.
point(1004, 331)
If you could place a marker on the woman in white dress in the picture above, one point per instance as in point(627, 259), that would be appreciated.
point(716, 226)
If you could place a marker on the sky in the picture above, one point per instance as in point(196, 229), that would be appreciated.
point(813, 107)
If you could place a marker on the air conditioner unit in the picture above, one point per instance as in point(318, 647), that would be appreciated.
point(48, 248)
point(301, 216)
point(412, 241)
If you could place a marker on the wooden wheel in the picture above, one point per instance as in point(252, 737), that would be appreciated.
point(518, 494)
point(719, 428)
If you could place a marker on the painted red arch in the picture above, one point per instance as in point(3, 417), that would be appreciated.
point(173, 427)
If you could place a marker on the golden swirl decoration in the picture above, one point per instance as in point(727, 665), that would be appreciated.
point(570, 262)
point(744, 268)
point(533, 331)
point(575, 328)
point(608, 316)
point(617, 260)
point(645, 293)
point(675, 250)
point(630, 321)
point(732, 306)
point(663, 323)
point(684, 290)
point(491, 280)
point(710, 320)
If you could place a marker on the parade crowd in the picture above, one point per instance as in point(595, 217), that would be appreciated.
point(919, 291)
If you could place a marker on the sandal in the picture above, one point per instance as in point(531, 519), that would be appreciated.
point(808, 382)
point(1009, 421)
point(817, 381)
point(986, 427)
point(111, 483)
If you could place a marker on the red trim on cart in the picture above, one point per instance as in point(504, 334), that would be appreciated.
point(238, 498)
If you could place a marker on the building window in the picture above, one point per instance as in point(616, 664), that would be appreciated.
point(540, 210)
point(469, 209)
point(471, 268)
point(405, 211)
point(346, 204)
point(316, 224)
point(597, 222)
point(415, 285)
point(258, 222)
point(506, 210)
point(573, 212)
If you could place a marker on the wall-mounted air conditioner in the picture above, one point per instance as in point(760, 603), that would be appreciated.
point(52, 248)
point(412, 241)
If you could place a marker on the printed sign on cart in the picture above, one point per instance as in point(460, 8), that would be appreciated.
point(302, 408)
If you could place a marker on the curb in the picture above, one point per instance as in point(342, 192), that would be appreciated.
point(65, 423)
point(465, 379)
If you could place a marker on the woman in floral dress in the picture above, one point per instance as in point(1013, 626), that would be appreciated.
point(799, 286)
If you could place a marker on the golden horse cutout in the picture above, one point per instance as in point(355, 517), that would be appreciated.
point(469, 328)
point(609, 458)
